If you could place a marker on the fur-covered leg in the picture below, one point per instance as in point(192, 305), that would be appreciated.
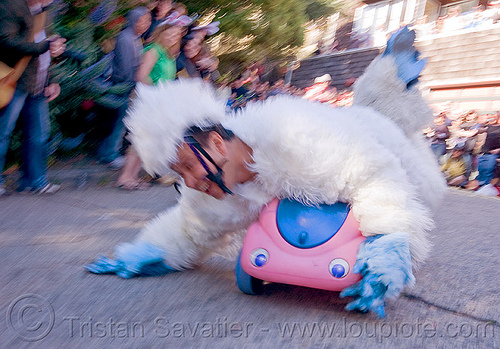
point(384, 261)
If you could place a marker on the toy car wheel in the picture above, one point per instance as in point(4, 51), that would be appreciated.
point(247, 283)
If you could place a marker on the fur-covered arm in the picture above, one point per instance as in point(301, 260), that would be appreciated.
point(162, 246)
point(385, 264)
point(182, 237)
point(170, 231)
point(390, 204)
point(199, 226)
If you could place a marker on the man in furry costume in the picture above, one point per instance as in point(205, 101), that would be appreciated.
point(370, 156)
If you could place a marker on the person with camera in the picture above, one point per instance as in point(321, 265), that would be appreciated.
point(25, 47)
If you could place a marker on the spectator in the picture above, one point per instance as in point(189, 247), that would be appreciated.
point(439, 135)
point(468, 131)
point(491, 151)
point(190, 48)
point(22, 34)
point(179, 8)
point(158, 64)
point(159, 60)
point(206, 64)
point(320, 90)
point(126, 60)
point(455, 168)
point(276, 88)
point(159, 14)
point(238, 87)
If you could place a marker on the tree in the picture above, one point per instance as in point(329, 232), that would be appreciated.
point(252, 30)
point(249, 31)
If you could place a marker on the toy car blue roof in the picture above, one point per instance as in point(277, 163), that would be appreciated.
point(307, 227)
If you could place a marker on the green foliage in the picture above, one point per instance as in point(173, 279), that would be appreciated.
point(249, 31)
point(253, 30)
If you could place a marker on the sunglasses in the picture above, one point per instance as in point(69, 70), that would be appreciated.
point(199, 151)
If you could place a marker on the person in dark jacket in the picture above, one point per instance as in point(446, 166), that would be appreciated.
point(22, 34)
point(190, 47)
point(127, 55)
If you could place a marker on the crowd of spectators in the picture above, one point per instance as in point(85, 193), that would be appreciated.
point(481, 16)
point(467, 147)
point(163, 43)
point(159, 42)
point(251, 87)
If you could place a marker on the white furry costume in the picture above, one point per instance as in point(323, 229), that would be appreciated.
point(369, 155)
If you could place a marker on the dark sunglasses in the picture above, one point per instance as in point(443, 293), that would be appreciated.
point(198, 151)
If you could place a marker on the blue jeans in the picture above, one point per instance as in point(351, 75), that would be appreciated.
point(111, 144)
point(486, 168)
point(468, 164)
point(34, 112)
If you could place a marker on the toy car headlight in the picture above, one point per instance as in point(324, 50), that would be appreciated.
point(338, 268)
point(259, 257)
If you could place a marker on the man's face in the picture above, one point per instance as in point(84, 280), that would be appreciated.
point(192, 48)
point(143, 24)
point(163, 7)
point(193, 172)
point(171, 37)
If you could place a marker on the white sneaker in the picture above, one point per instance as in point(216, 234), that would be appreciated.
point(48, 189)
point(3, 191)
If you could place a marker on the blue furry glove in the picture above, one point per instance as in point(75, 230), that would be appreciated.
point(400, 46)
point(139, 258)
point(384, 261)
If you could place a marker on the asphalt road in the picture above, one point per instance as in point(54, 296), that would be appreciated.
point(49, 301)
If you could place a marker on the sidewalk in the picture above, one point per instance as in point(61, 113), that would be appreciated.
point(74, 173)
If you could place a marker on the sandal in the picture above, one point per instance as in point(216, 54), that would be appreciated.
point(134, 185)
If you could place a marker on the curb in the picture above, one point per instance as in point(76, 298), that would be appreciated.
point(74, 173)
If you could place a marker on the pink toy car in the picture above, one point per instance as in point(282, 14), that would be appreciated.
point(300, 245)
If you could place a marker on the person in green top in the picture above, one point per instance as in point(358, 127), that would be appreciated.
point(157, 65)
point(158, 61)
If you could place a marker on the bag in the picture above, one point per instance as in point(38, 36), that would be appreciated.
point(9, 76)
point(97, 80)
point(8, 79)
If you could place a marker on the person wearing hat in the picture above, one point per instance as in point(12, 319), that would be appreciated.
point(368, 156)
point(455, 167)
point(320, 90)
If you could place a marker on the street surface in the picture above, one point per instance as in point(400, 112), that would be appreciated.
point(49, 301)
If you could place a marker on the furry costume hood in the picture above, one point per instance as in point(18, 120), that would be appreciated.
point(160, 115)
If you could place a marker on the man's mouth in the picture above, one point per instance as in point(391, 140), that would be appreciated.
point(204, 187)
